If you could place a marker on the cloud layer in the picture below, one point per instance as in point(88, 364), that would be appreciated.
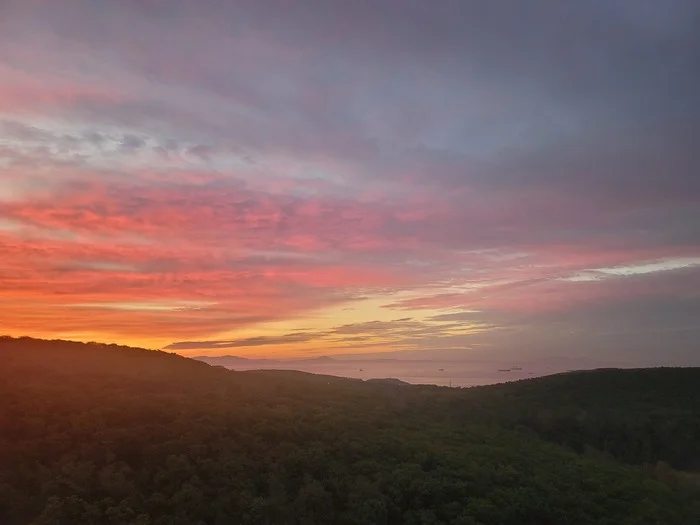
point(338, 177)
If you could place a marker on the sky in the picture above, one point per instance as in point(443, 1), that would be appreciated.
point(449, 179)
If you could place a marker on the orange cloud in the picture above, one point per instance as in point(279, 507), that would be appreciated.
point(129, 262)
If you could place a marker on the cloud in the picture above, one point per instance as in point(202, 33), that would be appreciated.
point(455, 317)
point(396, 333)
point(240, 343)
point(484, 167)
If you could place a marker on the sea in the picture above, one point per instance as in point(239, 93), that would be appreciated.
point(447, 373)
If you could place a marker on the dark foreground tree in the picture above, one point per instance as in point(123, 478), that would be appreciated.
point(100, 434)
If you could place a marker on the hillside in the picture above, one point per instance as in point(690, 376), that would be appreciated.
point(102, 434)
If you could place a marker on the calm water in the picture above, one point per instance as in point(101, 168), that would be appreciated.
point(421, 372)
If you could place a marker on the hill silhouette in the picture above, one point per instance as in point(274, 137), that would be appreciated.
point(104, 434)
point(232, 361)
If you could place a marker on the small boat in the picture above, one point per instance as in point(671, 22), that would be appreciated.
point(441, 369)
point(504, 369)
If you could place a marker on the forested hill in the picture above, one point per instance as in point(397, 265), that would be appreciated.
point(102, 434)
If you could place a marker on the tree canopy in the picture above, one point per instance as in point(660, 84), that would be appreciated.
point(102, 434)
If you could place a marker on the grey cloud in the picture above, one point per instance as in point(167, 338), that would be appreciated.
point(373, 327)
point(605, 75)
point(457, 316)
point(132, 142)
point(398, 331)
point(242, 343)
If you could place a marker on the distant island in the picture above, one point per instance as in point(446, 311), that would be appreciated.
point(388, 381)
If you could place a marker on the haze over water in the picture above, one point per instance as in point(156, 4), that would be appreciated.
point(441, 373)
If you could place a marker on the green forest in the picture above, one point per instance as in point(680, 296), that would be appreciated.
point(103, 434)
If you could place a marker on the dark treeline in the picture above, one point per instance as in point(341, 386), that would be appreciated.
point(102, 434)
